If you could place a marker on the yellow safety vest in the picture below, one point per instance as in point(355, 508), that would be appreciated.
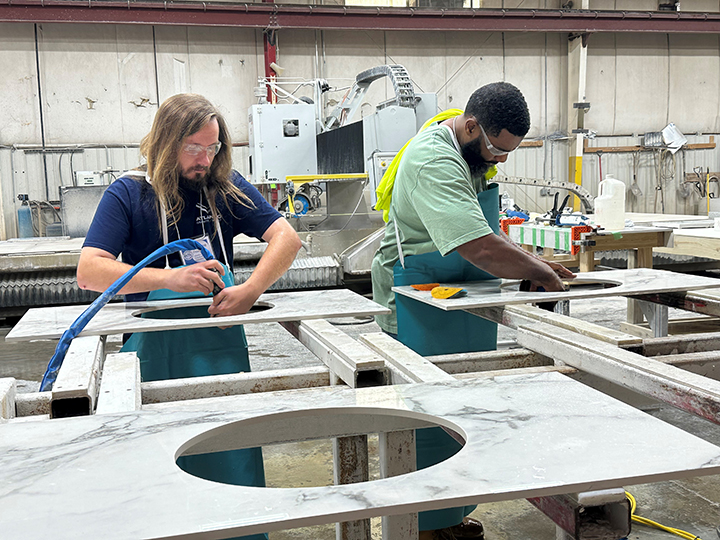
point(385, 188)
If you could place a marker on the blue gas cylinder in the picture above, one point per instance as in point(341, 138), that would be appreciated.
point(25, 226)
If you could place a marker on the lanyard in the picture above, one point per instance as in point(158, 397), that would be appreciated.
point(216, 221)
point(163, 216)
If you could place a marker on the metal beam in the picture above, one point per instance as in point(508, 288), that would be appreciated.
point(517, 315)
point(355, 364)
point(234, 384)
point(75, 390)
point(682, 389)
point(8, 391)
point(398, 457)
point(120, 389)
point(354, 18)
point(578, 514)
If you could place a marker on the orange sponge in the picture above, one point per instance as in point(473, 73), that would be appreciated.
point(425, 286)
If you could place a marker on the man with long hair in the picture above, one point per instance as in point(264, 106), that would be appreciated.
point(187, 189)
point(187, 183)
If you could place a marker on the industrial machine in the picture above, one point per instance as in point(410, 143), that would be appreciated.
point(306, 160)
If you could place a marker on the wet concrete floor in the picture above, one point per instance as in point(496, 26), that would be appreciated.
point(692, 505)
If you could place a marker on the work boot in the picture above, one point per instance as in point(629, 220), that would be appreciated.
point(469, 528)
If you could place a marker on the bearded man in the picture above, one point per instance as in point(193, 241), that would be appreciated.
point(187, 189)
point(442, 226)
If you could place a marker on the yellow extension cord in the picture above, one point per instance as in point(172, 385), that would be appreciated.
point(651, 523)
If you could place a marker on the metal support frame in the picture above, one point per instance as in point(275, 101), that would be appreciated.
point(657, 317)
point(678, 387)
point(8, 391)
point(350, 465)
point(356, 366)
point(579, 515)
point(120, 389)
point(75, 390)
point(519, 315)
point(589, 348)
point(397, 456)
point(234, 384)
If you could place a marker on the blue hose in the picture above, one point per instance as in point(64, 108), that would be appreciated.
point(81, 322)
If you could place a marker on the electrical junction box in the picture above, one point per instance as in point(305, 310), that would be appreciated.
point(88, 178)
point(378, 164)
point(282, 141)
point(384, 134)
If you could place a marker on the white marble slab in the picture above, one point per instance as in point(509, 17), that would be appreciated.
point(51, 322)
point(38, 246)
point(710, 232)
point(114, 476)
point(65, 244)
point(629, 282)
point(646, 218)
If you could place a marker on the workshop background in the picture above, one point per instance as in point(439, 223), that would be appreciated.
point(79, 97)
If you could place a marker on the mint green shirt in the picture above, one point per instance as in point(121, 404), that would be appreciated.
point(434, 206)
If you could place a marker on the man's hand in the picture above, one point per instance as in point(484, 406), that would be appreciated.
point(233, 301)
point(560, 270)
point(552, 281)
point(200, 277)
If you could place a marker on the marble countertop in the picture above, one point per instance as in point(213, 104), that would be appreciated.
point(629, 282)
point(710, 232)
point(648, 218)
point(117, 318)
point(38, 246)
point(114, 476)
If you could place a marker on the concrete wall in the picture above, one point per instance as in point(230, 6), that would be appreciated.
point(101, 84)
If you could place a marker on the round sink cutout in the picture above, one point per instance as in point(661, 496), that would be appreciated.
point(190, 312)
point(573, 285)
point(297, 446)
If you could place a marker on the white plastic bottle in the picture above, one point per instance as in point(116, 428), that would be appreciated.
point(610, 204)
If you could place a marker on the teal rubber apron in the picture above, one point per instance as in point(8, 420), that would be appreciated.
point(429, 331)
point(199, 352)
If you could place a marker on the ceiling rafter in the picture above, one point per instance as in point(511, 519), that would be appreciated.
point(267, 15)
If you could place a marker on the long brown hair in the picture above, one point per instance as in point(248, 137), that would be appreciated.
point(178, 117)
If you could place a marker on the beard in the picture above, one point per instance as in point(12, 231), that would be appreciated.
point(194, 178)
point(471, 153)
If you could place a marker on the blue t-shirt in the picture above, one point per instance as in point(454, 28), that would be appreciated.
point(126, 221)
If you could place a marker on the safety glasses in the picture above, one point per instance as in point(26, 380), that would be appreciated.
point(197, 149)
point(493, 150)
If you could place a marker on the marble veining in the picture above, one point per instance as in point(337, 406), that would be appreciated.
point(116, 318)
point(629, 282)
point(114, 476)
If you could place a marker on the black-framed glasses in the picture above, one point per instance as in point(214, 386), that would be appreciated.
point(197, 149)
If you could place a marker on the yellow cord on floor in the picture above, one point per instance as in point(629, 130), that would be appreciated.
point(651, 523)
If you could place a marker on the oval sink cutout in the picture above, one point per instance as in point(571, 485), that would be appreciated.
point(574, 285)
point(298, 446)
point(190, 312)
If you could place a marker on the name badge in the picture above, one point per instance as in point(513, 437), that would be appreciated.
point(192, 256)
